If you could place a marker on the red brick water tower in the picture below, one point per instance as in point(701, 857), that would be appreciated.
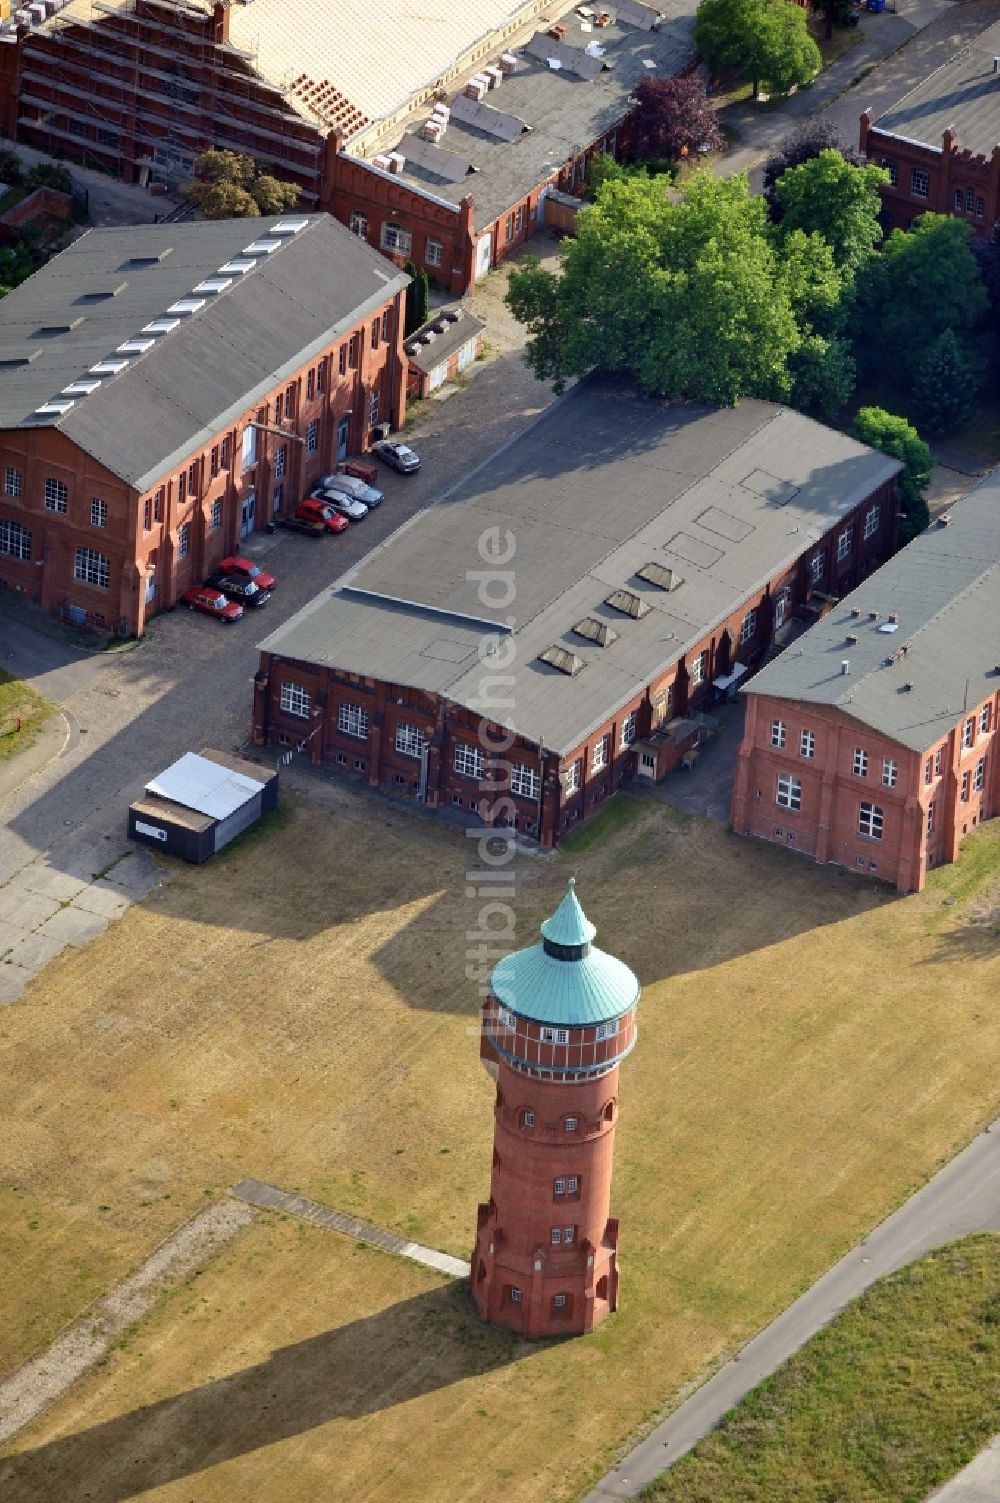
point(558, 1021)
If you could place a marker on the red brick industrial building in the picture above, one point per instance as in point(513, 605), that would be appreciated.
point(169, 388)
point(941, 143)
point(559, 1019)
point(873, 743)
point(601, 579)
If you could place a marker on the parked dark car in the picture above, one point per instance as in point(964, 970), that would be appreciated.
point(212, 602)
point(246, 591)
point(245, 568)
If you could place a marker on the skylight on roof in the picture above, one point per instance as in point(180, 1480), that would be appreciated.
point(238, 264)
point(135, 346)
point(660, 576)
point(109, 367)
point(81, 388)
point(629, 604)
point(160, 326)
point(261, 247)
point(11, 359)
point(55, 408)
point(214, 284)
point(187, 305)
point(288, 227)
point(593, 630)
point(562, 659)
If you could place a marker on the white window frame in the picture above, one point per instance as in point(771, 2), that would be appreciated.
point(359, 224)
point(555, 1035)
point(216, 514)
point(920, 182)
point(890, 772)
point(969, 733)
point(779, 733)
point(571, 1123)
point(979, 781)
point(248, 448)
point(352, 720)
point(92, 568)
point(184, 540)
point(295, 700)
point(525, 781)
point(559, 1185)
point(817, 568)
point(98, 512)
point(892, 168)
point(807, 744)
point(599, 755)
point(931, 811)
point(871, 821)
point(788, 794)
point(397, 239)
point(629, 728)
point(572, 1184)
point(873, 518)
point(280, 455)
point(985, 719)
point(572, 777)
point(699, 669)
point(506, 1018)
point(859, 763)
point(555, 1236)
point(515, 1295)
point(410, 740)
point(56, 495)
point(748, 627)
point(312, 435)
point(373, 406)
point(569, 1235)
point(13, 481)
point(606, 1030)
point(15, 540)
point(468, 760)
point(845, 542)
point(433, 251)
point(527, 1119)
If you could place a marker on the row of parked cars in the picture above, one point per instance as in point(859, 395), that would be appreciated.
point(333, 503)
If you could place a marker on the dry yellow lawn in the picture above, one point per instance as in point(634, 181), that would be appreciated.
point(810, 1049)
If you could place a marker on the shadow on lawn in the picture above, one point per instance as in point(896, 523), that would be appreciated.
point(412, 1348)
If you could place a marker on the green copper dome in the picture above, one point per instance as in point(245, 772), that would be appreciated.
point(565, 980)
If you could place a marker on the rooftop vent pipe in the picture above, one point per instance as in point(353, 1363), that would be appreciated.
point(845, 667)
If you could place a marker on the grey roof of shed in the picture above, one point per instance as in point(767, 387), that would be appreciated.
point(450, 334)
point(963, 93)
point(945, 589)
point(214, 365)
point(602, 484)
point(565, 112)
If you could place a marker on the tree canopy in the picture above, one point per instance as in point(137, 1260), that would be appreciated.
point(895, 436)
point(828, 196)
point(687, 296)
point(769, 39)
point(801, 146)
point(673, 117)
point(228, 185)
point(946, 381)
point(931, 283)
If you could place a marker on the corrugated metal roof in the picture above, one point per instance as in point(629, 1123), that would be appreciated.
point(206, 786)
point(602, 484)
point(910, 684)
point(206, 367)
point(964, 94)
point(571, 993)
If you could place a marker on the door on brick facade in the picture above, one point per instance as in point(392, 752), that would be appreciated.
point(343, 433)
point(781, 608)
point(247, 515)
point(484, 254)
point(150, 589)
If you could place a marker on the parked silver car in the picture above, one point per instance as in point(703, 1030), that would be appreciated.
point(350, 485)
point(400, 456)
point(348, 506)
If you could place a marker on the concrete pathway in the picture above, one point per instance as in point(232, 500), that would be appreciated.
point(979, 1482)
point(271, 1199)
point(964, 1197)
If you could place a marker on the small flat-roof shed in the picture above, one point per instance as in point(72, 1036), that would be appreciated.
point(200, 803)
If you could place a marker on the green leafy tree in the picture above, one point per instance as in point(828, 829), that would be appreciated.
point(932, 283)
point(769, 39)
point(688, 297)
point(801, 146)
point(272, 196)
point(48, 175)
point(946, 382)
point(834, 13)
point(225, 167)
point(224, 201)
point(11, 170)
point(894, 435)
point(417, 301)
point(837, 200)
point(229, 185)
point(823, 376)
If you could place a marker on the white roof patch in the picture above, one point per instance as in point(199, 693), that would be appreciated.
point(200, 784)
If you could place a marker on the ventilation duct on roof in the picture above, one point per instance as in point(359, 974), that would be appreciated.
point(12, 359)
point(214, 284)
point(660, 576)
point(563, 660)
point(55, 408)
point(628, 604)
point(238, 264)
point(593, 630)
point(135, 346)
point(261, 247)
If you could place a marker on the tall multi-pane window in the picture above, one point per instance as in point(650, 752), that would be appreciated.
point(312, 436)
point(184, 540)
point(373, 405)
point(807, 744)
point(892, 168)
point(817, 568)
point(216, 515)
point(158, 505)
point(213, 462)
point(928, 770)
point(376, 327)
point(872, 518)
point(524, 780)
point(56, 495)
point(342, 360)
point(571, 777)
point(889, 772)
point(789, 794)
point(599, 756)
point(295, 700)
point(224, 453)
point(748, 628)
point(279, 461)
point(919, 183)
point(870, 820)
point(352, 720)
point(966, 787)
point(279, 407)
point(98, 512)
point(321, 377)
point(628, 728)
point(15, 540)
point(979, 781)
point(310, 384)
point(182, 488)
point(12, 481)
point(92, 568)
point(939, 761)
point(969, 732)
point(931, 812)
point(699, 669)
point(468, 760)
point(779, 732)
point(359, 224)
point(859, 765)
point(396, 238)
point(433, 251)
point(193, 477)
point(844, 544)
point(410, 740)
point(985, 719)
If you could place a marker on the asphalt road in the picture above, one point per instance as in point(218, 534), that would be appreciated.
point(964, 1197)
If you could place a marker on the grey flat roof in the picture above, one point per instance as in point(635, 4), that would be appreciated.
point(963, 93)
point(945, 589)
point(217, 361)
point(449, 335)
point(565, 112)
point(605, 482)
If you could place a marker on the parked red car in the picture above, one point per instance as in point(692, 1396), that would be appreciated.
point(245, 568)
point(314, 510)
point(212, 602)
